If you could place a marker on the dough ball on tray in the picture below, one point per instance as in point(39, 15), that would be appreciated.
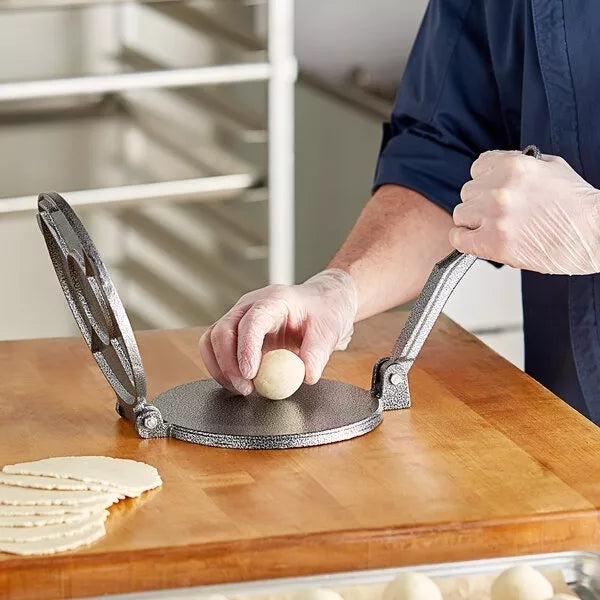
point(412, 586)
point(317, 594)
point(521, 583)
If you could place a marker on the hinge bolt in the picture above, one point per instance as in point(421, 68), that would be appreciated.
point(150, 422)
point(396, 379)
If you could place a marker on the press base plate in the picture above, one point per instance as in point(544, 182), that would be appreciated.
point(203, 412)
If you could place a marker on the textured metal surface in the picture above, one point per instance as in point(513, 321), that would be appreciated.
point(329, 411)
point(441, 283)
point(390, 375)
point(94, 302)
point(200, 411)
point(532, 150)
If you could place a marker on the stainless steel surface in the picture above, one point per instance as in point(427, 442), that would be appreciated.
point(110, 54)
point(284, 71)
point(202, 188)
point(581, 571)
point(14, 5)
point(104, 154)
point(120, 82)
point(236, 120)
point(205, 23)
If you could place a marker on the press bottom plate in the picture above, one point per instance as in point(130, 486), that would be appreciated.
point(329, 411)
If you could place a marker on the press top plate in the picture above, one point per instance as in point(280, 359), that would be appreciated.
point(93, 299)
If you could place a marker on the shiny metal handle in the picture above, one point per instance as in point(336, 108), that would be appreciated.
point(441, 283)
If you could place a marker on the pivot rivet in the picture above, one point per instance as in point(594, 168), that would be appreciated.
point(396, 379)
point(150, 422)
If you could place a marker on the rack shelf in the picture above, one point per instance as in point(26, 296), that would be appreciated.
point(176, 120)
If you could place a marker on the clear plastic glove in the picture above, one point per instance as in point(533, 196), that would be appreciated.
point(538, 215)
point(314, 318)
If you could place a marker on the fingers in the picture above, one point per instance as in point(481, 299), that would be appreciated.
point(224, 341)
point(467, 215)
point(263, 317)
point(468, 241)
point(315, 351)
point(210, 361)
point(488, 161)
point(218, 348)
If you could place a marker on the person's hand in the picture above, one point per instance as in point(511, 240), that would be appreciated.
point(314, 318)
point(538, 215)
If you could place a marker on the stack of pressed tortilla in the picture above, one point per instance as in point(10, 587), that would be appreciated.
point(60, 503)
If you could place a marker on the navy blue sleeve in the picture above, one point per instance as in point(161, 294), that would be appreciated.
point(447, 109)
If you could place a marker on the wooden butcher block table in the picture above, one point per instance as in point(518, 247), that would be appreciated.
point(485, 463)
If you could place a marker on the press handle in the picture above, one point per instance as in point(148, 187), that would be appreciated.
point(441, 283)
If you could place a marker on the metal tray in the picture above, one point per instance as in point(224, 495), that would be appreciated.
point(581, 571)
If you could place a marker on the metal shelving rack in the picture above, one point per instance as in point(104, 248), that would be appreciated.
point(176, 175)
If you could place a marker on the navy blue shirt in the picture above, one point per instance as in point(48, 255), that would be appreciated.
point(502, 74)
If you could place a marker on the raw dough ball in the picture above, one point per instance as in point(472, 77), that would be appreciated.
point(280, 374)
point(317, 594)
point(521, 583)
point(412, 586)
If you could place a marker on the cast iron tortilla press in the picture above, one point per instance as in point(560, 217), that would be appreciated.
point(201, 411)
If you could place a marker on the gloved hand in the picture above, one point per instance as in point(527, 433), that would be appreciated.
point(315, 318)
point(538, 215)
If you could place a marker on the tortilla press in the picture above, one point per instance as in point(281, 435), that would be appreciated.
point(201, 411)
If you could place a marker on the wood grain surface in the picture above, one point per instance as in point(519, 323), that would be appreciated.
point(485, 463)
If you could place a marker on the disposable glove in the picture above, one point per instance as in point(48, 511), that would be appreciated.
point(314, 318)
point(538, 215)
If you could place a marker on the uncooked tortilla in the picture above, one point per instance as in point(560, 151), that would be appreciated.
point(54, 483)
point(10, 494)
point(47, 532)
point(51, 509)
point(41, 520)
point(54, 545)
point(129, 476)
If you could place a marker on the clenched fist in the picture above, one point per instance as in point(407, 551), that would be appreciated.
point(538, 215)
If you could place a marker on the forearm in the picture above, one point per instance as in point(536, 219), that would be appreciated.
point(389, 253)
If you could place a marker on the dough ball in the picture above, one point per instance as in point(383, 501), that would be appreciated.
point(412, 586)
point(521, 583)
point(317, 594)
point(280, 374)
point(564, 597)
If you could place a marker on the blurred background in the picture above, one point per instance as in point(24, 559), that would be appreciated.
point(171, 172)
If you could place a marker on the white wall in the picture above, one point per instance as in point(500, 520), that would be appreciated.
point(332, 35)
